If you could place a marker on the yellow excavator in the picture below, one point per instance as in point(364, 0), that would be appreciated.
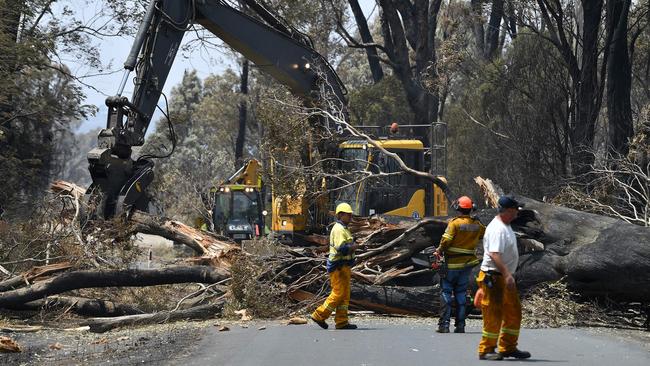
point(393, 193)
point(120, 181)
point(238, 210)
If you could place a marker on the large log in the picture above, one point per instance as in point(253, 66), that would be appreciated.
point(81, 306)
point(392, 300)
point(207, 311)
point(423, 300)
point(112, 278)
point(203, 242)
point(597, 255)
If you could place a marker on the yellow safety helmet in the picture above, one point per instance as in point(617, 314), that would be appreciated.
point(343, 207)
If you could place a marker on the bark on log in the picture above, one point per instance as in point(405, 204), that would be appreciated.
point(405, 248)
point(424, 300)
point(101, 325)
point(379, 308)
point(33, 274)
point(417, 300)
point(82, 306)
point(114, 278)
point(597, 255)
point(362, 304)
point(407, 233)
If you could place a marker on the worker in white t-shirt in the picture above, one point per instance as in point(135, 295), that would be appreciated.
point(500, 304)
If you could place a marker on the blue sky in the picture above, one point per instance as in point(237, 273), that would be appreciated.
point(114, 52)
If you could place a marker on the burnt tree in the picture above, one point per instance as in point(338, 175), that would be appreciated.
point(619, 77)
point(410, 27)
point(583, 67)
point(243, 115)
point(111, 278)
point(366, 38)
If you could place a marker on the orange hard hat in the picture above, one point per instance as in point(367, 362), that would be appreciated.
point(465, 202)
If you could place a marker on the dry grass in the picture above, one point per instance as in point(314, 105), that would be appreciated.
point(250, 290)
point(262, 247)
point(552, 305)
point(148, 299)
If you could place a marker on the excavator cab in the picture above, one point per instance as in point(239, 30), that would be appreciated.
point(391, 192)
point(238, 210)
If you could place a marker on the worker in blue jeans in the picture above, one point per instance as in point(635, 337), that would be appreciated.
point(458, 245)
point(455, 282)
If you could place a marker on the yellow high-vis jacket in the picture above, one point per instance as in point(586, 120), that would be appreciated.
point(459, 242)
point(340, 253)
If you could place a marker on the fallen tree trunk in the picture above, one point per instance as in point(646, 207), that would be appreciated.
point(81, 306)
point(596, 255)
point(395, 300)
point(101, 325)
point(306, 296)
point(203, 242)
point(423, 300)
point(113, 278)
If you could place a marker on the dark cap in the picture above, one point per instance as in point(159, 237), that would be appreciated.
point(509, 202)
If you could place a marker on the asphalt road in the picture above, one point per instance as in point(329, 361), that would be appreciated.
point(407, 342)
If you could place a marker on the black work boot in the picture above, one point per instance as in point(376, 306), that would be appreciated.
point(516, 354)
point(320, 323)
point(445, 314)
point(459, 329)
point(348, 326)
point(490, 356)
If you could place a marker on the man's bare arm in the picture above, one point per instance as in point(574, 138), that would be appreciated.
point(507, 276)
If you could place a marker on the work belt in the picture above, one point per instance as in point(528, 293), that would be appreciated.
point(488, 280)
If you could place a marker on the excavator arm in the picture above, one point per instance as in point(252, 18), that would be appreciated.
point(119, 182)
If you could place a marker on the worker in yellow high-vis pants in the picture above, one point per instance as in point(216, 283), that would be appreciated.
point(339, 263)
point(501, 310)
point(500, 304)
